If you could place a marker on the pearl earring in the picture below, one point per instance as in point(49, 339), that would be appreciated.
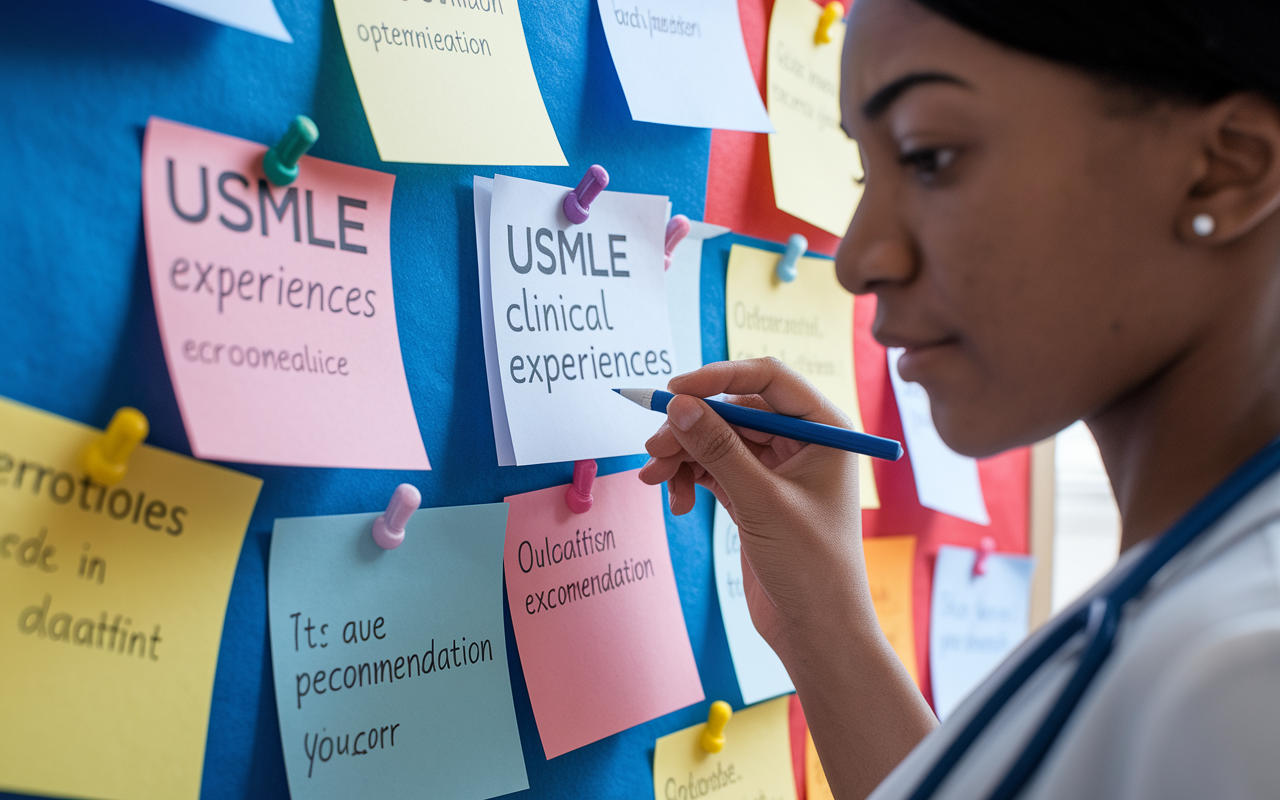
point(1203, 224)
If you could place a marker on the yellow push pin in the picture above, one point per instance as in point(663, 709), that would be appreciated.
point(717, 719)
point(107, 459)
point(830, 14)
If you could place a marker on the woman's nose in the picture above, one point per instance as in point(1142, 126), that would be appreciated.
point(875, 250)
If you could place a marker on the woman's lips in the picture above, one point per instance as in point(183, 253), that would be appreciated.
point(919, 359)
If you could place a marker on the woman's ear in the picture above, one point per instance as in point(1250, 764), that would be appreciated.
point(1237, 182)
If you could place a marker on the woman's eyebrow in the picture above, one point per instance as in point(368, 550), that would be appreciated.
point(887, 95)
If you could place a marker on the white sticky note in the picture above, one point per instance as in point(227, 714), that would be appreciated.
point(945, 480)
point(482, 197)
point(976, 620)
point(574, 311)
point(254, 16)
point(760, 671)
point(684, 63)
point(684, 295)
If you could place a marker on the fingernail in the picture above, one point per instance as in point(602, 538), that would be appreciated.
point(683, 413)
point(649, 463)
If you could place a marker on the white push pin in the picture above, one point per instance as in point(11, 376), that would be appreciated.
point(388, 529)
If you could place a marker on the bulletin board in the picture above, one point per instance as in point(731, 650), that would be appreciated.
point(78, 80)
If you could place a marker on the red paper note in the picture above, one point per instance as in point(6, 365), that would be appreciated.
point(596, 614)
point(275, 305)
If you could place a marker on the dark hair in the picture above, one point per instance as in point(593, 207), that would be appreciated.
point(1194, 49)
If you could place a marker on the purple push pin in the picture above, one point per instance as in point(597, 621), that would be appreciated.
point(577, 204)
point(578, 496)
point(677, 229)
point(388, 529)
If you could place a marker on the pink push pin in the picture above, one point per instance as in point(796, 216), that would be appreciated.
point(986, 547)
point(578, 495)
point(388, 529)
point(577, 204)
point(677, 229)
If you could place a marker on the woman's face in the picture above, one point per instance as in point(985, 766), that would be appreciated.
point(1020, 227)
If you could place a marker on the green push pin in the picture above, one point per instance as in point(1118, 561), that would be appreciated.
point(281, 162)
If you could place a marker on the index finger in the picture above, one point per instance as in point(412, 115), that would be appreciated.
point(784, 389)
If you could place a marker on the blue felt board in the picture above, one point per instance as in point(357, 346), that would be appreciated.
point(78, 79)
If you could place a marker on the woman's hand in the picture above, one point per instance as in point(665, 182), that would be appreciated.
point(796, 505)
point(798, 518)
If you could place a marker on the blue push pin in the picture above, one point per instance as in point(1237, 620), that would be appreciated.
point(797, 245)
point(280, 164)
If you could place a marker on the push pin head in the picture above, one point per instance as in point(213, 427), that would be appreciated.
point(986, 546)
point(388, 529)
point(280, 164)
point(797, 246)
point(677, 229)
point(830, 14)
point(578, 495)
point(717, 719)
point(107, 459)
point(577, 204)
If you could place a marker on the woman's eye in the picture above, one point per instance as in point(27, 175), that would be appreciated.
point(927, 162)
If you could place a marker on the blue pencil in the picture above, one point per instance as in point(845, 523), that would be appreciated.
point(791, 427)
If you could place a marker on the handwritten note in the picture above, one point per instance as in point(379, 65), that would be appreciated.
point(684, 295)
point(275, 305)
point(684, 63)
point(596, 614)
point(889, 561)
point(112, 602)
point(755, 762)
point(448, 83)
point(399, 680)
point(760, 672)
point(817, 172)
point(976, 620)
point(808, 324)
point(945, 480)
point(570, 312)
point(254, 16)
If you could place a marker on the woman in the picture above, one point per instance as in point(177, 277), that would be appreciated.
point(1070, 213)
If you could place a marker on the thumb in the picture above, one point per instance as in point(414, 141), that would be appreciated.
point(715, 445)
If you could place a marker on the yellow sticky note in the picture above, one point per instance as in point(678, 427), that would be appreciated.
point(111, 610)
point(448, 83)
point(889, 563)
point(815, 780)
point(755, 761)
point(807, 323)
point(816, 169)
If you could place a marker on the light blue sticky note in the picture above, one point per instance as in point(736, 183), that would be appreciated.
point(977, 620)
point(391, 665)
point(760, 671)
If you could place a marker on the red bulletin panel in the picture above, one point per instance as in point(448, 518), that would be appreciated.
point(739, 186)
point(1006, 485)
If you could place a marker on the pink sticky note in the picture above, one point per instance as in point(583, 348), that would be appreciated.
point(275, 305)
point(596, 615)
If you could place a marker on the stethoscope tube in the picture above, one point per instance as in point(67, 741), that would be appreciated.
point(1100, 620)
